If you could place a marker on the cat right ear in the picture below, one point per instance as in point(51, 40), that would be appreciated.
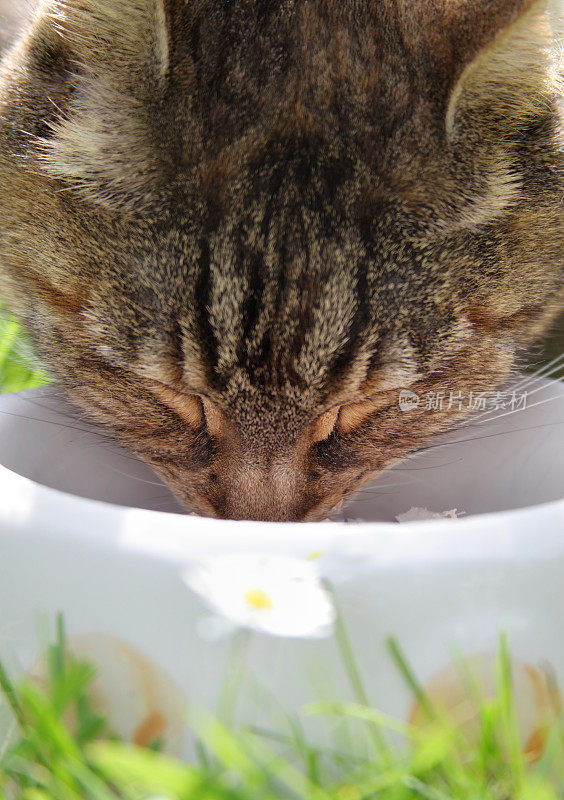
point(511, 79)
point(492, 59)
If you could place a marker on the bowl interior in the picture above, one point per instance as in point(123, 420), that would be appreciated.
point(501, 459)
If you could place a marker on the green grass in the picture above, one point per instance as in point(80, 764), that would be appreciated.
point(19, 367)
point(48, 760)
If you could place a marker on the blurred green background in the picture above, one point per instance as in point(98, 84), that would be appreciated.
point(19, 366)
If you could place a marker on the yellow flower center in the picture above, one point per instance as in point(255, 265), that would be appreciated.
point(257, 598)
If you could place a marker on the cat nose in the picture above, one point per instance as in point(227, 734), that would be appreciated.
point(253, 511)
point(265, 491)
point(262, 503)
point(258, 486)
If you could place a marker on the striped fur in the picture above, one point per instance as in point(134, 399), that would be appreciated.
point(237, 228)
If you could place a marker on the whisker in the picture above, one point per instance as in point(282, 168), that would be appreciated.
point(428, 466)
point(483, 416)
point(104, 439)
point(540, 373)
point(469, 423)
point(359, 499)
point(112, 444)
point(489, 436)
point(134, 477)
point(542, 376)
point(369, 495)
point(161, 500)
point(17, 347)
point(73, 412)
point(53, 422)
point(375, 489)
point(544, 385)
point(27, 363)
point(10, 327)
point(547, 365)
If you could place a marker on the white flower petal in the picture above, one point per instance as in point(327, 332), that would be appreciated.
point(279, 595)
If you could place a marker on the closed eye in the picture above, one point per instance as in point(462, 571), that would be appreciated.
point(349, 416)
point(352, 415)
point(195, 410)
point(324, 425)
point(189, 407)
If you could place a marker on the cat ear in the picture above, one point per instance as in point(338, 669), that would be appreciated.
point(122, 40)
point(93, 74)
point(500, 61)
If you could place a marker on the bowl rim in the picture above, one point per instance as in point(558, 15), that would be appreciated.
point(40, 513)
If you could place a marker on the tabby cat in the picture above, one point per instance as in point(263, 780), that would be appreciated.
point(238, 228)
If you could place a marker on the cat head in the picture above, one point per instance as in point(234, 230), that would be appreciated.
point(238, 230)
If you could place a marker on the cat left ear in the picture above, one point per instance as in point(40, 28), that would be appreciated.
point(120, 40)
point(499, 62)
point(91, 75)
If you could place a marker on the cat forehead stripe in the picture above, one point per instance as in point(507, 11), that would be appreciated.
point(279, 296)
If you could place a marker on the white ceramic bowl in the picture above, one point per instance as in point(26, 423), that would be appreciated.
point(87, 529)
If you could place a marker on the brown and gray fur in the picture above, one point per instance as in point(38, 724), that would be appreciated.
point(237, 228)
